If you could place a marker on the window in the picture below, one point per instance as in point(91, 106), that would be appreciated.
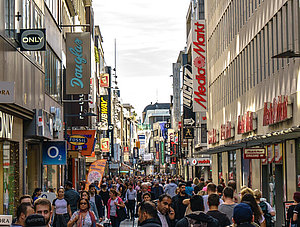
point(38, 22)
point(52, 75)
point(9, 18)
point(232, 165)
point(27, 14)
point(52, 5)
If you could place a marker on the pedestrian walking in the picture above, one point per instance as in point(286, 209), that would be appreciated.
point(228, 205)
point(148, 215)
point(97, 199)
point(42, 207)
point(86, 195)
point(130, 198)
point(197, 217)
point(61, 209)
point(83, 217)
point(36, 193)
point(71, 196)
point(177, 202)
point(171, 188)
point(213, 204)
point(243, 216)
point(104, 193)
point(114, 203)
point(165, 212)
point(157, 190)
point(23, 211)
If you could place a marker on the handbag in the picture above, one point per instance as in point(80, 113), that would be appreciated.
point(121, 214)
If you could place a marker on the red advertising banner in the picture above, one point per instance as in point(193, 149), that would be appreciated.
point(254, 153)
point(88, 147)
point(104, 80)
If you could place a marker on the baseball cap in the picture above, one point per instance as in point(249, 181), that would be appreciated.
point(35, 220)
point(242, 213)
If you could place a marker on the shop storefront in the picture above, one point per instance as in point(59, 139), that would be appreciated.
point(11, 162)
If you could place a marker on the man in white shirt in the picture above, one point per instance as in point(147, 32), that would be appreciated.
point(130, 198)
point(165, 212)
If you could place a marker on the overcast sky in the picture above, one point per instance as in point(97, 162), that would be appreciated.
point(149, 37)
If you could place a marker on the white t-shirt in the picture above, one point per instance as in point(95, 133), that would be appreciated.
point(113, 207)
point(61, 206)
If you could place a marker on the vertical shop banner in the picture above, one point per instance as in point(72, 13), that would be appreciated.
point(199, 66)
point(157, 150)
point(104, 114)
point(78, 47)
point(76, 111)
point(55, 153)
point(96, 172)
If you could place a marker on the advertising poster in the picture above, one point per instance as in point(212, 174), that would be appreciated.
point(96, 172)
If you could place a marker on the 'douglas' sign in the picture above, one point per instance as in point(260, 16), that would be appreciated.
point(78, 63)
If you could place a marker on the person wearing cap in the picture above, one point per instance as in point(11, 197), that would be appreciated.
point(35, 220)
point(243, 216)
point(71, 195)
point(23, 211)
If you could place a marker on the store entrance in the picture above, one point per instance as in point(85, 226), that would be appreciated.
point(9, 177)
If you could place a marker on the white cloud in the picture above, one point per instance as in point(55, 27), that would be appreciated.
point(149, 36)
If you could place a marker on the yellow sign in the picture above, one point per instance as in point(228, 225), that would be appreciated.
point(77, 140)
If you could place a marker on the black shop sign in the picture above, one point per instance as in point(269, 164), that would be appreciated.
point(32, 39)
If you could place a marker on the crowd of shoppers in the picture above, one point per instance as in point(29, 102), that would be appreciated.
point(156, 201)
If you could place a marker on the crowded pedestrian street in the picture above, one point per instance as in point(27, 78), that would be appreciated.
point(161, 113)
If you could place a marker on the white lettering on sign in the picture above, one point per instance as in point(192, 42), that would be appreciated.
point(6, 126)
point(32, 39)
point(199, 66)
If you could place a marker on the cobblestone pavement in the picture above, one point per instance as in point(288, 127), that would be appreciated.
point(129, 223)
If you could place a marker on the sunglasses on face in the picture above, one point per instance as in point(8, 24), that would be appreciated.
point(83, 203)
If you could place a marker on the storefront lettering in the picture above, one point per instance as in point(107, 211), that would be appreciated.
point(212, 136)
point(278, 111)
point(6, 126)
point(246, 122)
point(104, 110)
point(199, 66)
point(79, 60)
point(226, 131)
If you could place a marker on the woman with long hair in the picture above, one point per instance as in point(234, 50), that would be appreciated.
point(114, 203)
point(61, 209)
point(258, 214)
point(93, 207)
point(37, 192)
point(83, 217)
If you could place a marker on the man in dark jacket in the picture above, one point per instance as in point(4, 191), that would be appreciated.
point(177, 202)
point(157, 190)
point(197, 217)
point(148, 215)
point(71, 195)
point(97, 200)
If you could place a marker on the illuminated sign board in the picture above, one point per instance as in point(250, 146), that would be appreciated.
point(32, 39)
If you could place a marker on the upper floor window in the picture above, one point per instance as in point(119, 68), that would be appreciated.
point(52, 75)
point(9, 18)
point(52, 5)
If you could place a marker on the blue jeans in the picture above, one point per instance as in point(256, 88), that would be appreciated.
point(114, 221)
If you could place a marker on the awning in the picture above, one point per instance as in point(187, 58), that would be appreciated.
point(258, 140)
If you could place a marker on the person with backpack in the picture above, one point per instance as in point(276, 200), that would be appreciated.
point(266, 208)
point(197, 218)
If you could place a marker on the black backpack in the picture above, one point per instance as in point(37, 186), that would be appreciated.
point(267, 215)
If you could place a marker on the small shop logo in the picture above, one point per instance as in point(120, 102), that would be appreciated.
point(32, 39)
point(77, 140)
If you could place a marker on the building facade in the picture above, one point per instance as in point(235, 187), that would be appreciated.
point(254, 98)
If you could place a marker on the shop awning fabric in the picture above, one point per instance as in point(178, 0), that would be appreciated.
point(258, 140)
